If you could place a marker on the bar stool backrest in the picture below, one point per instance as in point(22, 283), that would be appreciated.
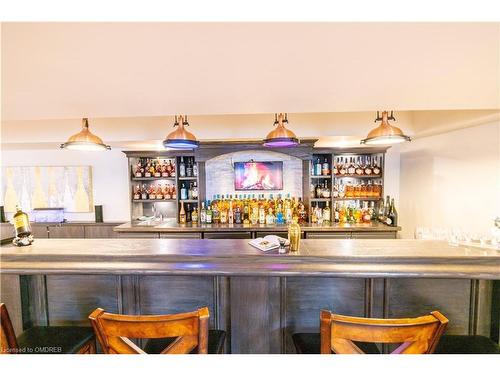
point(114, 331)
point(8, 342)
point(416, 335)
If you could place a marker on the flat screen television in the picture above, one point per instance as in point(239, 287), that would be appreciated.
point(258, 175)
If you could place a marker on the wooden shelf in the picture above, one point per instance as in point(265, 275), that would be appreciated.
point(320, 177)
point(188, 178)
point(320, 199)
point(357, 176)
point(152, 178)
point(188, 200)
point(152, 200)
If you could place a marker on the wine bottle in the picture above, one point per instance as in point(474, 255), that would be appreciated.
point(182, 214)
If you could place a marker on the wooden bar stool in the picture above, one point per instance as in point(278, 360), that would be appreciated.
point(168, 334)
point(341, 334)
point(44, 340)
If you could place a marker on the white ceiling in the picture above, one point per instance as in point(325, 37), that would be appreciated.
point(71, 70)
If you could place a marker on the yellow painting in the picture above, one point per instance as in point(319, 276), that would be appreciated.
point(68, 187)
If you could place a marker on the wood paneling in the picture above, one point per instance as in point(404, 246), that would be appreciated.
point(326, 235)
point(40, 231)
point(100, 231)
point(10, 292)
point(373, 235)
point(305, 297)
point(176, 294)
point(138, 235)
point(226, 235)
point(255, 315)
point(416, 297)
point(66, 231)
point(71, 298)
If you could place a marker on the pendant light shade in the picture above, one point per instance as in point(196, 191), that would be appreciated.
point(281, 136)
point(385, 134)
point(85, 140)
point(180, 137)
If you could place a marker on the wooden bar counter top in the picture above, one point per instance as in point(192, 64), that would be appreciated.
point(319, 257)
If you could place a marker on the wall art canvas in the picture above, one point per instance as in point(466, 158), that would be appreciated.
point(69, 187)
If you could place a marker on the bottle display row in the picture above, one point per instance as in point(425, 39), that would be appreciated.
point(155, 192)
point(188, 167)
point(154, 168)
point(189, 191)
point(369, 190)
point(249, 209)
point(355, 213)
point(357, 166)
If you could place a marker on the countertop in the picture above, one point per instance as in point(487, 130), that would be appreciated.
point(172, 226)
point(324, 257)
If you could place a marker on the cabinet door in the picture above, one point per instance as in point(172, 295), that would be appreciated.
point(374, 235)
point(40, 231)
point(66, 231)
point(196, 235)
point(227, 235)
point(328, 235)
point(279, 234)
point(100, 231)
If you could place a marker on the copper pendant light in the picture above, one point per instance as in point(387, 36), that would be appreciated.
point(281, 136)
point(85, 140)
point(385, 134)
point(180, 137)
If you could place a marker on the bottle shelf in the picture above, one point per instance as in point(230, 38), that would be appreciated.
point(326, 177)
point(188, 178)
point(357, 199)
point(152, 200)
point(357, 176)
point(320, 199)
point(152, 178)
point(188, 200)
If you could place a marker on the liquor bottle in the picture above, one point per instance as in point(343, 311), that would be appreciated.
point(168, 169)
point(279, 215)
point(188, 213)
point(223, 215)
point(174, 192)
point(203, 213)
point(159, 192)
point(144, 192)
point(341, 188)
point(381, 212)
point(317, 168)
point(138, 169)
point(359, 169)
point(182, 214)
point(336, 213)
point(319, 192)
point(262, 215)
point(372, 211)
point(343, 167)
point(172, 170)
point(387, 206)
point(208, 218)
point(137, 192)
point(190, 191)
point(195, 169)
point(269, 216)
point(194, 216)
point(237, 215)
point(326, 191)
point(392, 217)
point(184, 192)
point(335, 170)
point(182, 168)
point(325, 168)
point(230, 214)
point(314, 218)
point(194, 192)
point(367, 215)
point(21, 223)
point(152, 192)
point(157, 172)
point(147, 170)
point(376, 168)
point(189, 168)
point(352, 168)
point(327, 214)
point(215, 212)
point(368, 168)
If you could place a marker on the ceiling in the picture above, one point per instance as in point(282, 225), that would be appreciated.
point(101, 70)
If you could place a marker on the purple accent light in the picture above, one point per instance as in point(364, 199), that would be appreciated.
point(281, 142)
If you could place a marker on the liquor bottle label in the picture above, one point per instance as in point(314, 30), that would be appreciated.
point(20, 222)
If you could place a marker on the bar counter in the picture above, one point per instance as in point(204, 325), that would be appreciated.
point(258, 298)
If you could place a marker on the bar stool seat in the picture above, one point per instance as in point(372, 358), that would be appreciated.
point(461, 344)
point(216, 339)
point(44, 340)
point(56, 340)
point(310, 343)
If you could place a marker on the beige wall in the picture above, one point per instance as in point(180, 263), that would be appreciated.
point(451, 180)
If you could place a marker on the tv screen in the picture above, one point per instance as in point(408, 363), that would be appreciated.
point(258, 175)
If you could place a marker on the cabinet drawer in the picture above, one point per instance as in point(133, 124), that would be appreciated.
point(181, 235)
point(100, 231)
point(374, 235)
point(328, 235)
point(227, 235)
